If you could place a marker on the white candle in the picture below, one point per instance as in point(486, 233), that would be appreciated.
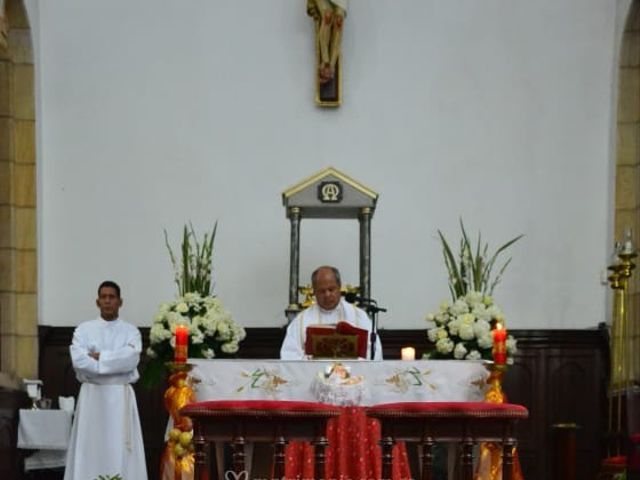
point(408, 353)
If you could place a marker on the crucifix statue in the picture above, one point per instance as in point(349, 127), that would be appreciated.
point(328, 16)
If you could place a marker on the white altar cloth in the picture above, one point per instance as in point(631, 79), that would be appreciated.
point(46, 431)
point(385, 381)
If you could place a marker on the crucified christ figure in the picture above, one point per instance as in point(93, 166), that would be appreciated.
point(329, 18)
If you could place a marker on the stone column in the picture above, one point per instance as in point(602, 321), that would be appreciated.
point(294, 264)
point(365, 252)
point(18, 256)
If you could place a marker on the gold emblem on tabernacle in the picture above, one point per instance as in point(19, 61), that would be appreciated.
point(330, 192)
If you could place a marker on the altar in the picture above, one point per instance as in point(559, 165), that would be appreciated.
point(382, 381)
point(353, 438)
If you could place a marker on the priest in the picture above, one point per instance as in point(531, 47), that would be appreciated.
point(330, 308)
point(106, 438)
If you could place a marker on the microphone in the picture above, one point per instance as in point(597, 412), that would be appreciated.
point(352, 297)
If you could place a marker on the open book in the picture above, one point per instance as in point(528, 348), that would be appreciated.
point(336, 341)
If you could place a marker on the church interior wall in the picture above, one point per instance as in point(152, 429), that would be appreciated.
point(498, 113)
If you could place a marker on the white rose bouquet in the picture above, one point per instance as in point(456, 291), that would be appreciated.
point(212, 330)
point(463, 326)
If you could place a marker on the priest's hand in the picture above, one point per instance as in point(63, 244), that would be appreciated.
point(95, 355)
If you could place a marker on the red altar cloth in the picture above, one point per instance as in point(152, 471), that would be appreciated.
point(353, 452)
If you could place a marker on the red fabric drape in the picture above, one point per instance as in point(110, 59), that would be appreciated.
point(353, 452)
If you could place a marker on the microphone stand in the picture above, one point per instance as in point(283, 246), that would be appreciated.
point(372, 308)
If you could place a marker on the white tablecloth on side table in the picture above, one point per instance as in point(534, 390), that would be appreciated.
point(47, 432)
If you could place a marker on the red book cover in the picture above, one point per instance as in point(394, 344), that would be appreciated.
point(363, 336)
point(336, 331)
point(313, 330)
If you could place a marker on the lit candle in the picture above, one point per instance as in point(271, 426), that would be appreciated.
point(408, 353)
point(182, 344)
point(500, 344)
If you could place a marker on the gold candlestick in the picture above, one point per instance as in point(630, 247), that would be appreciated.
point(490, 460)
point(177, 462)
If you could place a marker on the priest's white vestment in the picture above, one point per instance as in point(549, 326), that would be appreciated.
point(106, 438)
point(293, 344)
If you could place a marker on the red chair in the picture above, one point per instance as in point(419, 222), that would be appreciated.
point(462, 422)
point(258, 421)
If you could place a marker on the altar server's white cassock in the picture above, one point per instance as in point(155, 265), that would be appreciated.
point(293, 344)
point(106, 438)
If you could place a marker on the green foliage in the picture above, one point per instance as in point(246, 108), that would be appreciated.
point(194, 268)
point(473, 268)
point(109, 477)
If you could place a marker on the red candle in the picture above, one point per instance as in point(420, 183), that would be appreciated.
point(182, 344)
point(500, 344)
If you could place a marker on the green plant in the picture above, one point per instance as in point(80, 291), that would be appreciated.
point(193, 271)
point(472, 269)
point(212, 330)
point(109, 477)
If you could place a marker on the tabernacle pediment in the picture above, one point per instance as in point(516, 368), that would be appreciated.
point(329, 194)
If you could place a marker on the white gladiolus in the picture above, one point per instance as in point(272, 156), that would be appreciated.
point(459, 351)
point(473, 298)
point(210, 326)
point(442, 334)
point(473, 355)
point(467, 318)
point(442, 318)
point(230, 347)
point(208, 353)
point(485, 341)
point(466, 332)
point(182, 307)
point(466, 322)
point(481, 327)
point(444, 345)
point(459, 307)
point(454, 325)
point(432, 334)
point(197, 339)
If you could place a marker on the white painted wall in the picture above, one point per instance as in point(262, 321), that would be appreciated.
point(155, 113)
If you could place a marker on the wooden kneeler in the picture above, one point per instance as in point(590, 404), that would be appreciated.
point(244, 421)
point(463, 422)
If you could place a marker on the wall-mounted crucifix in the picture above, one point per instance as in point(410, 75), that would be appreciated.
point(328, 16)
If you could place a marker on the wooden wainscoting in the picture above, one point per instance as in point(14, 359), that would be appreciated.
point(559, 375)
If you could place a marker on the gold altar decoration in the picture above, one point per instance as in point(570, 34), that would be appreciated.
point(623, 338)
point(177, 461)
point(490, 461)
point(309, 299)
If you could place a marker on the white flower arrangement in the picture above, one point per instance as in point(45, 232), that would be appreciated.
point(463, 327)
point(212, 330)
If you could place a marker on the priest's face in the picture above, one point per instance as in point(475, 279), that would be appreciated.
point(326, 289)
point(109, 303)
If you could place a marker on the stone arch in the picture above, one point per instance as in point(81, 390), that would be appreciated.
point(18, 246)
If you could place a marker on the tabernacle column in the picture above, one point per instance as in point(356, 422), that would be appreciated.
point(365, 252)
point(294, 264)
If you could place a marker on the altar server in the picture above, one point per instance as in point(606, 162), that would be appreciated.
point(106, 438)
point(329, 309)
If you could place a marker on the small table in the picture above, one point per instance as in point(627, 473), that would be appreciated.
point(47, 432)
